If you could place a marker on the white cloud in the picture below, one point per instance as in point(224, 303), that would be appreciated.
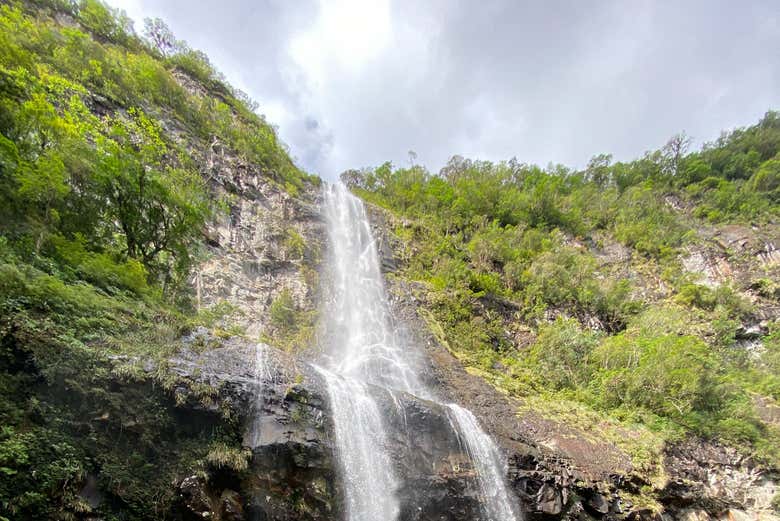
point(354, 83)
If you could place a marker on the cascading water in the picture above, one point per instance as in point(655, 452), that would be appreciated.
point(362, 348)
point(366, 468)
point(487, 462)
point(263, 373)
point(359, 336)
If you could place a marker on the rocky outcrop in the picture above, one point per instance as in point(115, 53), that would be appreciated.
point(717, 479)
point(281, 404)
point(260, 247)
point(265, 240)
point(278, 403)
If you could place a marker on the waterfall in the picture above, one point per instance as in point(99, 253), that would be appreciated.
point(362, 350)
point(366, 468)
point(359, 334)
point(488, 464)
point(263, 373)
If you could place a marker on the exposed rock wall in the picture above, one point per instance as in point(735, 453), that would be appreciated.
point(252, 255)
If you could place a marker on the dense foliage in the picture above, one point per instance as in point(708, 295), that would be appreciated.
point(570, 283)
point(103, 203)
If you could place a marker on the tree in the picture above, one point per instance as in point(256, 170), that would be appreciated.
point(598, 169)
point(455, 168)
point(353, 178)
point(106, 22)
point(160, 36)
point(767, 179)
point(412, 157)
point(159, 207)
point(673, 153)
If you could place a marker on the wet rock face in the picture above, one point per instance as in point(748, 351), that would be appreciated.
point(294, 472)
point(436, 475)
point(291, 471)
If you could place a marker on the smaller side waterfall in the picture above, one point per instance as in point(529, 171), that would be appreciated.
point(488, 464)
point(263, 373)
point(367, 471)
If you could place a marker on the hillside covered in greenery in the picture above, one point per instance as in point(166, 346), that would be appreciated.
point(644, 294)
point(104, 198)
point(570, 288)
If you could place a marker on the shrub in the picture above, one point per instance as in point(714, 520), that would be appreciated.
point(558, 357)
point(223, 456)
point(294, 244)
point(283, 311)
point(670, 375)
point(646, 224)
point(721, 297)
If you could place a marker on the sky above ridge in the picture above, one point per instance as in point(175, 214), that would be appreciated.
point(354, 83)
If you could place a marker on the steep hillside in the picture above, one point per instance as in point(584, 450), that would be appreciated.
point(636, 303)
point(140, 197)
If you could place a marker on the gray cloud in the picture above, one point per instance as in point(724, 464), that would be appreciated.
point(354, 84)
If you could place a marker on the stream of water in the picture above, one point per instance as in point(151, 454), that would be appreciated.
point(488, 464)
point(363, 350)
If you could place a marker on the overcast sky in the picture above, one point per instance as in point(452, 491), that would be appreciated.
point(354, 83)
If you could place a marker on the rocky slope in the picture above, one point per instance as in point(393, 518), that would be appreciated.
point(556, 471)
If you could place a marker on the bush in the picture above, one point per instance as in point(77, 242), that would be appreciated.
point(294, 244)
point(672, 376)
point(283, 311)
point(766, 180)
point(559, 354)
point(721, 297)
point(223, 456)
point(646, 224)
point(101, 269)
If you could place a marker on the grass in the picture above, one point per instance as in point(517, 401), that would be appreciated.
point(223, 456)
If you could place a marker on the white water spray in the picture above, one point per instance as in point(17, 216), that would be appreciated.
point(359, 332)
point(488, 464)
point(363, 348)
point(367, 472)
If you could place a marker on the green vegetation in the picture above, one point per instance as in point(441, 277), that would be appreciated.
point(294, 245)
point(104, 165)
point(291, 326)
point(567, 286)
point(222, 455)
